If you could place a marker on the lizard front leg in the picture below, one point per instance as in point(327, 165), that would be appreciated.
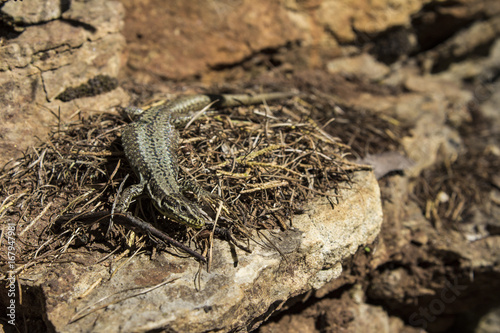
point(129, 194)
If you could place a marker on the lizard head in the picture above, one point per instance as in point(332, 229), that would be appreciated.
point(179, 209)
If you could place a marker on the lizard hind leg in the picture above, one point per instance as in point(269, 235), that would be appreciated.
point(211, 199)
point(128, 195)
point(124, 200)
point(188, 186)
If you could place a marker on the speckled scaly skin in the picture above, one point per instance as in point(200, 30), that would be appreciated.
point(150, 144)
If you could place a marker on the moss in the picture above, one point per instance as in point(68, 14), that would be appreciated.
point(95, 86)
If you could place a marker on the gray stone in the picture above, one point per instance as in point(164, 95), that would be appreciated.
point(104, 17)
point(32, 11)
point(363, 65)
point(490, 322)
point(225, 298)
point(46, 59)
point(100, 57)
point(464, 42)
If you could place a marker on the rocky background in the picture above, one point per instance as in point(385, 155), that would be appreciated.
point(430, 68)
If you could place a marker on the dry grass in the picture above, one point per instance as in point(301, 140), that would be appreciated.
point(265, 162)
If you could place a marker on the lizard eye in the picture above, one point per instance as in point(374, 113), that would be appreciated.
point(182, 209)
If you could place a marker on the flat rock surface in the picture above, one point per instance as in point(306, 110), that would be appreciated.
point(238, 292)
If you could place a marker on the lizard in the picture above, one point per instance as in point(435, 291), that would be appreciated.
point(150, 144)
